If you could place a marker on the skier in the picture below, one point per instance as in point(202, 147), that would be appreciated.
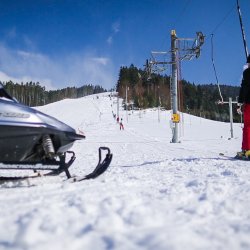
point(121, 125)
point(244, 99)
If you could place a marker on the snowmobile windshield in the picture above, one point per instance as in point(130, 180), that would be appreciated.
point(4, 95)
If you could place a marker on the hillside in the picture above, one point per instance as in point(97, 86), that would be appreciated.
point(155, 195)
point(146, 90)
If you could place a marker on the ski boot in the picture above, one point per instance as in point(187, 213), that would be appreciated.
point(243, 155)
point(247, 154)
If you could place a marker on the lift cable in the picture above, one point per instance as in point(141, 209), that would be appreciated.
point(212, 49)
point(223, 20)
point(242, 29)
point(243, 37)
point(215, 72)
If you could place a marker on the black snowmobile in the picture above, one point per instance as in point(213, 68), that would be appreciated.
point(32, 140)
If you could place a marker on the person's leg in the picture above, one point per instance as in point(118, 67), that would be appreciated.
point(246, 129)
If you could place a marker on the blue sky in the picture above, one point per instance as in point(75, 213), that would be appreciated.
point(74, 42)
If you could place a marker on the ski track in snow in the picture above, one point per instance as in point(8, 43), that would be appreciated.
point(155, 195)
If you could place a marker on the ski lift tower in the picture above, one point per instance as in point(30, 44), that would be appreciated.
point(181, 49)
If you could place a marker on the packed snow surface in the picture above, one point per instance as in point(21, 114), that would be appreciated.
point(155, 195)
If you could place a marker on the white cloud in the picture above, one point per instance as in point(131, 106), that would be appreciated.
point(71, 70)
point(110, 40)
point(116, 27)
point(11, 33)
point(46, 82)
point(28, 42)
point(101, 60)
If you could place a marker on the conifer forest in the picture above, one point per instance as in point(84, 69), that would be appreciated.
point(196, 99)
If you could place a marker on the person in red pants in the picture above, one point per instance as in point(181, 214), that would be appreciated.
point(121, 125)
point(244, 99)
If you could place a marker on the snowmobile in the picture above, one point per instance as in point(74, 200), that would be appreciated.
point(32, 140)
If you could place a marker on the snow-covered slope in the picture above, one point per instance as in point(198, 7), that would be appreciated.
point(155, 195)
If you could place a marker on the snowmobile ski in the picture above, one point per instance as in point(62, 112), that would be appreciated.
point(101, 167)
point(55, 167)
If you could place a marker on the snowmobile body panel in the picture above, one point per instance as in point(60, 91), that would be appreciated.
point(22, 129)
point(19, 143)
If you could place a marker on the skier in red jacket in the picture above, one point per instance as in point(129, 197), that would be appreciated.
point(244, 99)
point(121, 125)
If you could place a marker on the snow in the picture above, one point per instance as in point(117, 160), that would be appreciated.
point(155, 195)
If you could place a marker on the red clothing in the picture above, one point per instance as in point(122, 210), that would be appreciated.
point(244, 97)
point(121, 126)
point(246, 128)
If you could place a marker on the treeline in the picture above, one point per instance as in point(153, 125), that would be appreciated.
point(204, 100)
point(142, 91)
point(200, 100)
point(33, 94)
